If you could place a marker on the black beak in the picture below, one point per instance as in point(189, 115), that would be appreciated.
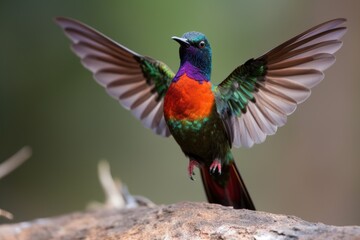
point(182, 41)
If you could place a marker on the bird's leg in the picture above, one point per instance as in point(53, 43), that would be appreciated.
point(216, 164)
point(192, 164)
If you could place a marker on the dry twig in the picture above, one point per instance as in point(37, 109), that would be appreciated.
point(14, 161)
point(117, 195)
point(10, 165)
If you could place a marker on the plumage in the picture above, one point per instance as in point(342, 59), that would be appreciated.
point(137, 82)
point(207, 120)
point(283, 79)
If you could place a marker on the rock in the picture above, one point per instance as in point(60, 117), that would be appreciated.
point(186, 220)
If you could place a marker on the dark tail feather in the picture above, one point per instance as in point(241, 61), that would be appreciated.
point(227, 189)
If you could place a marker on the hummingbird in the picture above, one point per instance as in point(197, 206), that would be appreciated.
point(207, 120)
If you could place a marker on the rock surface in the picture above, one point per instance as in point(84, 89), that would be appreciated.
point(185, 220)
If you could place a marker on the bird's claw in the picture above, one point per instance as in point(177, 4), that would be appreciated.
point(191, 166)
point(215, 165)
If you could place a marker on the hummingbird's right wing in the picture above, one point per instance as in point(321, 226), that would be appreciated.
point(139, 83)
point(256, 98)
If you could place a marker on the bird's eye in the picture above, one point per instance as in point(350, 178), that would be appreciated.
point(201, 44)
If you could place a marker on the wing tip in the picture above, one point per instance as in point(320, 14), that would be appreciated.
point(61, 21)
point(342, 20)
point(335, 21)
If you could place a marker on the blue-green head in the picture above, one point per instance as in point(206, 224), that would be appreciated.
point(195, 55)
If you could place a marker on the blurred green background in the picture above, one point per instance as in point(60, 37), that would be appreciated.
point(48, 101)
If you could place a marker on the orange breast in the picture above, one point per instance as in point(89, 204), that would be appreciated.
point(188, 99)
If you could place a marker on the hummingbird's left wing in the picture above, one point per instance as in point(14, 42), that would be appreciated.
point(256, 98)
point(138, 82)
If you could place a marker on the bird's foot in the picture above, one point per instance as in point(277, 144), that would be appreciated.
point(191, 166)
point(216, 164)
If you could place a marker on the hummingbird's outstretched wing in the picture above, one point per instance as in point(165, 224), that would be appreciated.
point(256, 98)
point(139, 83)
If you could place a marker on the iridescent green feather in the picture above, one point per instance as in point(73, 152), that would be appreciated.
point(156, 72)
point(234, 93)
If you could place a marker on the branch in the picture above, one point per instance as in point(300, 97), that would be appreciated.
point(177, 221)
point(10, 165)
point(14, 161)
